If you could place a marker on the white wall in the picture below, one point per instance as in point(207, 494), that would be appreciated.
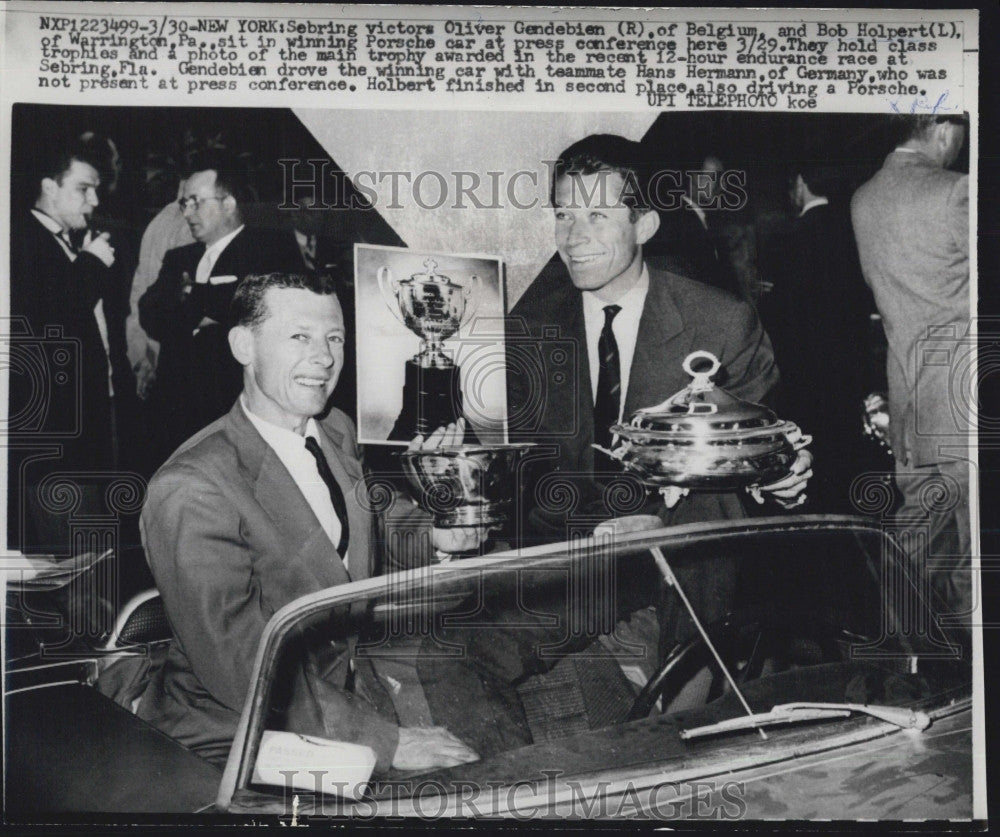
point(480, 142)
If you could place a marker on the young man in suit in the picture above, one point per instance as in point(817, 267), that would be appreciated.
point(911, 221)
point(69, 326)
point(187, 308)
point(630, 329)
point(258, 509)
point(603, 297)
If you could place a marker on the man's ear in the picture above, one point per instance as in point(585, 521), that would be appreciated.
point(49, 186)
point(945, 139)
point(229, 202)
point(646, 225)
point(241, 344)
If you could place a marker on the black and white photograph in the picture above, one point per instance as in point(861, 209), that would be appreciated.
point(413, 379)
point(600, 456)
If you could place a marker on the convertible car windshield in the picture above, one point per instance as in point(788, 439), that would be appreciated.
point(822, 613)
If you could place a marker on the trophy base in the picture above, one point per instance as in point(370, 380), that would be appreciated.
point(432, 398)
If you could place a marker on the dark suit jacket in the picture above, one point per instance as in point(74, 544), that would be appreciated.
point(197, 377)
point(230, 540)
point(549, 375)
point(683, 245)
point(59, 395)
point(818, 319)
point(912, 226)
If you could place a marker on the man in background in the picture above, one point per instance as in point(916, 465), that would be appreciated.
point(819, 317)
point(911, 221)
point(165, 232)
point(73, 367)
point(187, 308)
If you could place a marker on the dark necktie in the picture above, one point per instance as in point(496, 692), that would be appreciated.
point(609, 380)
point(67, 242)
point(336, 495)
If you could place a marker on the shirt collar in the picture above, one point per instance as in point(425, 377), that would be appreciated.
point(276, 436)
point(48, 222)
point(634, 297)
point(820, 201)
point(697, 210)
point(223, 243)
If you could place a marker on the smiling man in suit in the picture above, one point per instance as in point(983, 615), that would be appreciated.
point(632, 328)
point(187, 308)
point(258, 509)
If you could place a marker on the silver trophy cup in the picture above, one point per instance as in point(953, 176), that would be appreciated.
point(465, 485)
point(433, 307)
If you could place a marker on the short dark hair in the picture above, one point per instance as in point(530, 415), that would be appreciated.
point(821, 177)
point(232, 176)
point(248, 307)
point(55, 160)
point(609, 153)
point(916, 126)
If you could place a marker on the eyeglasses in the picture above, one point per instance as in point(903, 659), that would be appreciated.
point(193, 203)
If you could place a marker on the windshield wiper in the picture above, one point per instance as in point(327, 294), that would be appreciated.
point(789, 713)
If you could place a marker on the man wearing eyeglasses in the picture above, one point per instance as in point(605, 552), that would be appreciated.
point(187, 308)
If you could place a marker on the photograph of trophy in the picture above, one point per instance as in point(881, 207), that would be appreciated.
point(433, 307)
point(430, 344)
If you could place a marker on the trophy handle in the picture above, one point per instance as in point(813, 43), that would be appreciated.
point(473, 293)
point(384, 277)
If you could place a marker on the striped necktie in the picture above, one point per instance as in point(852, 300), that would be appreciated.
point(609, 380)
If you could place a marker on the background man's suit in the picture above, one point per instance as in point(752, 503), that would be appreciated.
point(819, 324)
point(197, 378)
point(685, 245)
point(911, 221)
point(50, 290)
point(230, 540)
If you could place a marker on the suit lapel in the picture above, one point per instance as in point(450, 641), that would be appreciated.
point(230, 261)
point(569, 409)
point(303, 538)
point(661, 336)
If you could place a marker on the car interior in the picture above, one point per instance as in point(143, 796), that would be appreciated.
point(807, 623)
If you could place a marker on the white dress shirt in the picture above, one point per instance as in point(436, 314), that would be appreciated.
point(820, 201)
point(211, 256)
point(699, 211)
point(625, 326)
point(290, 448)
point(307, 247)
point(55, 227)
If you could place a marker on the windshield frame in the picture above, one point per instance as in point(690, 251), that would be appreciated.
point(239, 767)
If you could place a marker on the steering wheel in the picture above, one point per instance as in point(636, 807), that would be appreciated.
point(751, 643)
